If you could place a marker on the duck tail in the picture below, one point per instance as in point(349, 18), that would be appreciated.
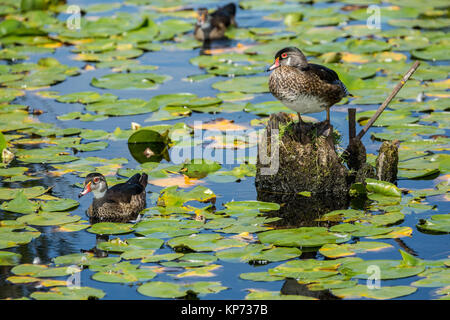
point(229, 9)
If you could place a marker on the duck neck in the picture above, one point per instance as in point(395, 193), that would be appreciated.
point(100, 193)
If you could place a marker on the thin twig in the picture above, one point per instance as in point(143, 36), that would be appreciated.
point(388, 100)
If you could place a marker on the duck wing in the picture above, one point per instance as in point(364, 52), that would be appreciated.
point(323, 73)
point(122, 192)
point(327, 75)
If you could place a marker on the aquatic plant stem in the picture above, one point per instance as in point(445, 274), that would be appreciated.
point(388, 99)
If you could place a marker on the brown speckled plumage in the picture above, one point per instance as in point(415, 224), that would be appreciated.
point(288, 83)
point(304, 87)
point(213, 26)
point(120, 203)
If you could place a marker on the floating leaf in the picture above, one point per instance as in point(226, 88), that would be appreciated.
point(438, 223)
point(69, 293)
point(245, 85)
point(48, 218)
point(159, 289)
point(382, 293)
point(343, 250)
point(205, 242)
point(389, 269)
point(129, 81)
point(274, 295)
point(9, 258)
point(302, 237)
point(383, 187)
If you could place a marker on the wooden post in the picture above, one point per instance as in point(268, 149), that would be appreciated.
point(351, 123)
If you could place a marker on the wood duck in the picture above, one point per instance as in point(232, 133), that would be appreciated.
point(213, 26)
point(120, 203)
point(304, 87)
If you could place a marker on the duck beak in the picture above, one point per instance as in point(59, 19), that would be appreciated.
point(87, 189)
point(275, 65)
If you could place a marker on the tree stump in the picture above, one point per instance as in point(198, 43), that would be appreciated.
point(303, 157)
point(387, 161)
point(307, 159)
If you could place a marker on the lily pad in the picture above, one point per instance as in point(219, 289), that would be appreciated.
point(362, 291)
point(159, 289)
point(245, 85)
point(439, 223)
point(69, 293)
point(111, 228)
point(9, 258)
point(302, 237)
point(343, 250)
point(129, 81)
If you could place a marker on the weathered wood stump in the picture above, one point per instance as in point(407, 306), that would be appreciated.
point(303, 157)
point(387, 161)
point(307, 159)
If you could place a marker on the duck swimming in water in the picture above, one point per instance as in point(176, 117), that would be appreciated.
point(120, 203)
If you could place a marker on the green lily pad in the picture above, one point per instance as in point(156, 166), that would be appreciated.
point(205, 287)
point(245, 85)
point(111, 228)
point(48, 218)
point(435, 279)
point(343, 250)
point(9, 258)
point(69, 293)
point(161, 257)
point(302, 237)
point(129, 81)
point(383, 187)
point(59, 205)
point(362, 291)
point(439, 223)
point(260, 276)
point(274, 295)
point(20, 204)
point(123, 272)
point(12, 236)
point(250, 205)
point(306, 269)
point(360, 230)
point(205, 242)
point(389, 269)
point(159, 289)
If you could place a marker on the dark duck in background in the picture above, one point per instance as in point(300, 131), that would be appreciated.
point(212, 26)
point(120, 203)
point(304, 87)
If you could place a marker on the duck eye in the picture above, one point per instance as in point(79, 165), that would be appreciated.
point(96, 180)
point(284, 55)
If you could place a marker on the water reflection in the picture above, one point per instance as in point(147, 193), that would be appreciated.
point(300, 211)
point(98, 253)
point(292, 287)
point(149, 152)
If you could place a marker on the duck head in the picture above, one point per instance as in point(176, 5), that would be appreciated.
point(95, 183)
point(291, 57)
point(203, 19)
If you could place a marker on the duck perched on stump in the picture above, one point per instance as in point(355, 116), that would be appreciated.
point(120, 203)
point(304, 87)
point(213, 26)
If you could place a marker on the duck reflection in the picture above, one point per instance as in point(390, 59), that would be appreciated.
point(303, 211)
